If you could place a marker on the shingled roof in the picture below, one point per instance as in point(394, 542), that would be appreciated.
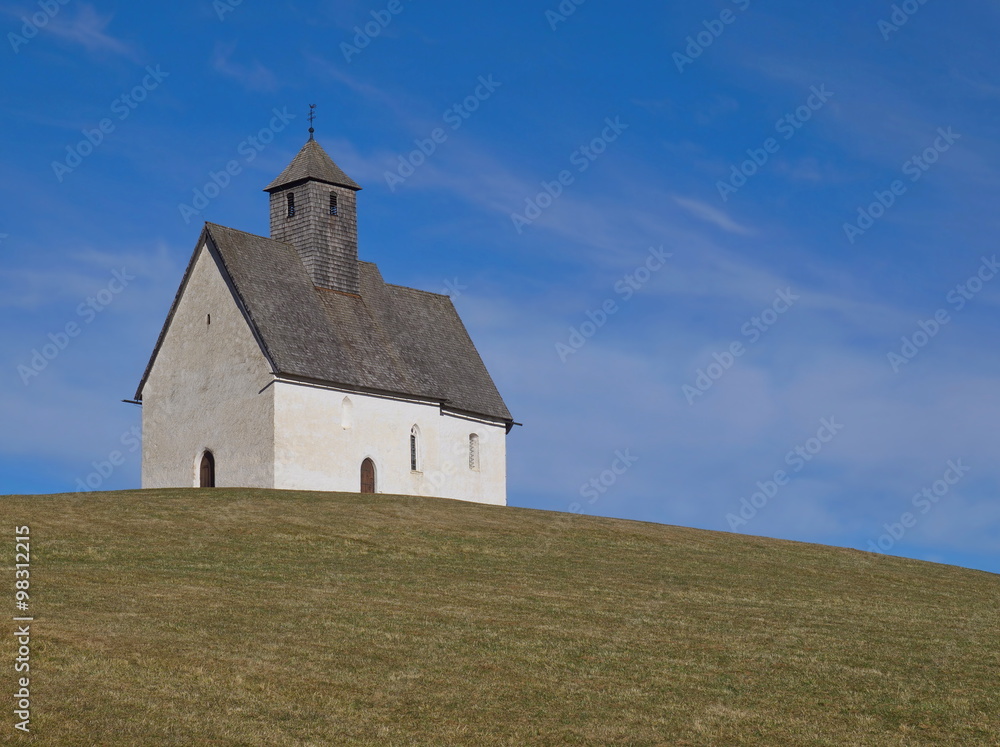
point(390, 339)
point(312, 162)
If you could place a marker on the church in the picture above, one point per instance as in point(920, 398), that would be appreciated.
point(286, 362)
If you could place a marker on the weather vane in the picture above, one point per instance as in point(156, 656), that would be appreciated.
point(312, 116)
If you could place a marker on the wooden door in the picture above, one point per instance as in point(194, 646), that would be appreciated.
point(208, 470)
point(368, 476)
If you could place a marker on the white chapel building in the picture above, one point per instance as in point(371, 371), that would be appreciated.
point(285, 362)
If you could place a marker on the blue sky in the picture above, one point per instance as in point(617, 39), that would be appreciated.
point(755, 203)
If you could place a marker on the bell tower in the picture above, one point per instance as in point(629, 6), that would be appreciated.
point(314, 208)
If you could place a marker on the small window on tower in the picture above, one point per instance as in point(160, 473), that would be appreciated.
point(209, 319)
point(333, 204)
point(291, 205)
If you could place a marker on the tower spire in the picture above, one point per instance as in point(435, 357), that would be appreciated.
point(312, 116)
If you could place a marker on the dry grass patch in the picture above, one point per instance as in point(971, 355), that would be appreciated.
point(266, 617)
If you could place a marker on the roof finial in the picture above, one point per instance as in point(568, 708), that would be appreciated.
point(312, 116)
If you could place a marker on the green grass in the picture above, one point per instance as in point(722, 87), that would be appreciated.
point(265, 617)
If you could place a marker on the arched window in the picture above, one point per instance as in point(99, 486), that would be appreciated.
point(206, 478)
point(368, 476)
point(346, 413)
point(333, 203)
point(414, 449)
point(291, 204)
point(474, 451)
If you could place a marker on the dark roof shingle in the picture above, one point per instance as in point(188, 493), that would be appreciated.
point(312, 162)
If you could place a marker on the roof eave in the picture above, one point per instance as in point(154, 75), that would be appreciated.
point(274, 187)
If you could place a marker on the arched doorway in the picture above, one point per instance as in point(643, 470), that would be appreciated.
point(207, 474)
point(368, 476)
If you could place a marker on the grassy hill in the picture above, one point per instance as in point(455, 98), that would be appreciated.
point(264, 617)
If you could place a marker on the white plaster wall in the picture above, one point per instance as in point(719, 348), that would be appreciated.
point(204, 392)
point(313, 450)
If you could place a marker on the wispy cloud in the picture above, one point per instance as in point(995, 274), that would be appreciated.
point(977, 85)
point(712, 215)
point(88, 29)
point(393, 101)
point(32, 288)
point(254, 77)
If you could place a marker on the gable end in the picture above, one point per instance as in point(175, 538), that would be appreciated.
point(205, 241)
